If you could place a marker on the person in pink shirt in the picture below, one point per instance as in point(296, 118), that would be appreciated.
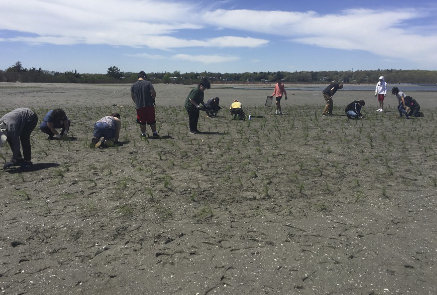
point(279, 92)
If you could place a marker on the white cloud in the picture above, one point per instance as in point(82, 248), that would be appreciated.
point(148, 56)
point(206, 59)
point(383, 33)
point(165, 25)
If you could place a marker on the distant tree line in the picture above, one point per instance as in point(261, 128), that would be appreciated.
point(17, 73)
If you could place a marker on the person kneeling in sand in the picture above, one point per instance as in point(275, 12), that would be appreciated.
point(353, 110)
point(236, 110)
point(412, 107)
point(106, 131)
point(212, 107)
point(55, 119)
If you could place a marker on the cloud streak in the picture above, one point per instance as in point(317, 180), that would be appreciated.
point(165, 25)
point(204, 59)
point(383, 33)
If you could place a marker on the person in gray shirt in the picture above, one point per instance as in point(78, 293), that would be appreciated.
point(143, 95)
point(15, 128)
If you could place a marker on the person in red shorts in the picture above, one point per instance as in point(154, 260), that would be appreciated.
point(380, 92)
point(143, 94)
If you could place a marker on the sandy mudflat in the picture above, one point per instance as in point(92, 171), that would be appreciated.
point(291, 204)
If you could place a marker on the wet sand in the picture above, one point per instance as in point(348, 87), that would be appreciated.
point(291, 204)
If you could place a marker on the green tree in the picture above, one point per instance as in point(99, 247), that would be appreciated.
point(17, 67)
point(166, 78)
point(115, 73)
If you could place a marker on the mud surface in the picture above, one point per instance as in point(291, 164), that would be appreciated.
point(291, 204)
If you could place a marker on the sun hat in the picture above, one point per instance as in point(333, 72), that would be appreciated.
point(3, 136)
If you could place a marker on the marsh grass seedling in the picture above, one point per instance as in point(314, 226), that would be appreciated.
point(204, 214)
point(23, 194)
point(301, 188)
point(253, 174)
point(321, 207)
point(384, 192)
point(266, 191)
point(125, 210)
point(163, 213)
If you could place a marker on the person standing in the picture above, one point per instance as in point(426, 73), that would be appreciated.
point(328, 93)
point(15, 128)
point(278, 92)
point(55, 119)
point(143, 94)
point(194, 102)
point(380, 92)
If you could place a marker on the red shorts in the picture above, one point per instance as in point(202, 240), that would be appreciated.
point(146, 115)
point(381, 97)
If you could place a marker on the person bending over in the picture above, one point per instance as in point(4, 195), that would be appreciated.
point(401, 100)
point(328, 93)
point(15, 128)
point(194, 102)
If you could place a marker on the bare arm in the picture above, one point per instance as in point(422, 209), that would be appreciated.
point(52, 128)
point(117, 128)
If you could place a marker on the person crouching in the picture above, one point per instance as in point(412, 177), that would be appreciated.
point(236, 110)
point(106, 131)
point(353, 110)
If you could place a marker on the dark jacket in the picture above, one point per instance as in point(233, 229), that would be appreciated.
point(354, 106)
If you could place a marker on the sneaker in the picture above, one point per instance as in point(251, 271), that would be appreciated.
point(194, 131)
point(26, 165)
point(143, 134)
point(100, 143)
point(155, 135)
point(94, 140)
point(19, 162)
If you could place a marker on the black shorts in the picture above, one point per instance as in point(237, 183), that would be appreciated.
point(278, 98)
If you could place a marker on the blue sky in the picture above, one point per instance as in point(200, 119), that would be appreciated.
point(227, 36)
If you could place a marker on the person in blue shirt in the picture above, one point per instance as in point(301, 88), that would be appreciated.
point(53, 120)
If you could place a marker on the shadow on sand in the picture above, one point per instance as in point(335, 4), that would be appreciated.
point(35, 167)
